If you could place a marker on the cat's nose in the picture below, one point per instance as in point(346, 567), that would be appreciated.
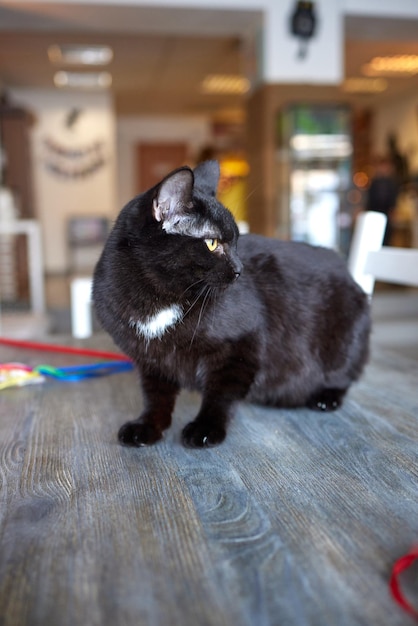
point(236, 265)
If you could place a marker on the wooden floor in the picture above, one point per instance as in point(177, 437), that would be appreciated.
point(295, 520)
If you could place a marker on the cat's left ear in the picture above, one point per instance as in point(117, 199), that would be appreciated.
point(206, 177)
point(174, 197)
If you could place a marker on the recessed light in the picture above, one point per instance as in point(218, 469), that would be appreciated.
point(76, 54)
point(406, 64)
point(364, 85)
point(225, 84)
point(83, 80)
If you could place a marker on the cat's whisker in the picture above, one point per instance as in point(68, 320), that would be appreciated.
point(253, 190)
point(215, 302)
point(201, 292)
point(192, 285)
point(204, 304)
point(202, 308)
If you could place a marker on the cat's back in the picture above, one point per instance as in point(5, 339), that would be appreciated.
point(290, 260)
point(315, 319)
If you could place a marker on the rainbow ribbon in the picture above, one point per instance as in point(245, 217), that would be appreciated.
point(18, 374)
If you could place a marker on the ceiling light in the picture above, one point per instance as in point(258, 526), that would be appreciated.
point(83, 80)
point(225, 84)
point(388, 66)
point(75, 54)
point(364, 85)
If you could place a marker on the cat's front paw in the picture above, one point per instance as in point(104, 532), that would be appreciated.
point(138, 434)
point(201, 435)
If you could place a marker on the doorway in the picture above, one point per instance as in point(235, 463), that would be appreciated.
point(156, 160)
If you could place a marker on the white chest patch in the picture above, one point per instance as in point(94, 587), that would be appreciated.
point(156, 325)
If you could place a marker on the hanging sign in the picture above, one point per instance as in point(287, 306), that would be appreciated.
point(73, 163)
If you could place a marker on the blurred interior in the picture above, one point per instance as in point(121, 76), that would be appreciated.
point(296, 123)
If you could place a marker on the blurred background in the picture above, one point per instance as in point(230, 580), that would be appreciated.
point(300, 102)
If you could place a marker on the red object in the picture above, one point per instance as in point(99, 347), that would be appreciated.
point(34, 345)
point(15, 366)
point(402, 564)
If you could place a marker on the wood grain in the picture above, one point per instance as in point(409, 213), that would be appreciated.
point(295, 520)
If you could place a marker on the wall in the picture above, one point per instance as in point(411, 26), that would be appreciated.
point(323, 64)
point(105, 190)
point(82, 186)
point(193, 130)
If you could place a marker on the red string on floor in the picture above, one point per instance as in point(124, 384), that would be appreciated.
point(47, 347)
point(401, 565)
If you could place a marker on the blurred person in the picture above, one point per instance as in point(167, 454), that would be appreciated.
point(383, 194)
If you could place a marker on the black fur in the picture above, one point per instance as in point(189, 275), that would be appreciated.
point(272, 322)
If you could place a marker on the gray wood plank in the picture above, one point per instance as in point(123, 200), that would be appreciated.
point(295, 520)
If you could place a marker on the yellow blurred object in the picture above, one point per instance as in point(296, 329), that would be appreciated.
point(232, 190)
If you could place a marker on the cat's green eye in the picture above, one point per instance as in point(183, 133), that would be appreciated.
point(212, 244)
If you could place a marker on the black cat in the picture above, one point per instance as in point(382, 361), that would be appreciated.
point(196, 306)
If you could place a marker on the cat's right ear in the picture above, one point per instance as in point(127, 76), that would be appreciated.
point(174, 197)
point(206, 176)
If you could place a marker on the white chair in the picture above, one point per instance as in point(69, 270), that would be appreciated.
point(369, 261)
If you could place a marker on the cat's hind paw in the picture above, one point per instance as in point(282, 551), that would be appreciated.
point(326, 400)
point(200, 435)
point(138, 434)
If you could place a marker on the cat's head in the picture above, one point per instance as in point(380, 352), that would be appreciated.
point(182, 234)
point(185, 204)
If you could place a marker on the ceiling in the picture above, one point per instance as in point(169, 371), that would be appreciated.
point(162, 56)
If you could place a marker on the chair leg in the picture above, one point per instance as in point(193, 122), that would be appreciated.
point(81, 314)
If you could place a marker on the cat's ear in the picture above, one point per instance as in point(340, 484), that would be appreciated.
point(206, 176)
point(174, 197)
